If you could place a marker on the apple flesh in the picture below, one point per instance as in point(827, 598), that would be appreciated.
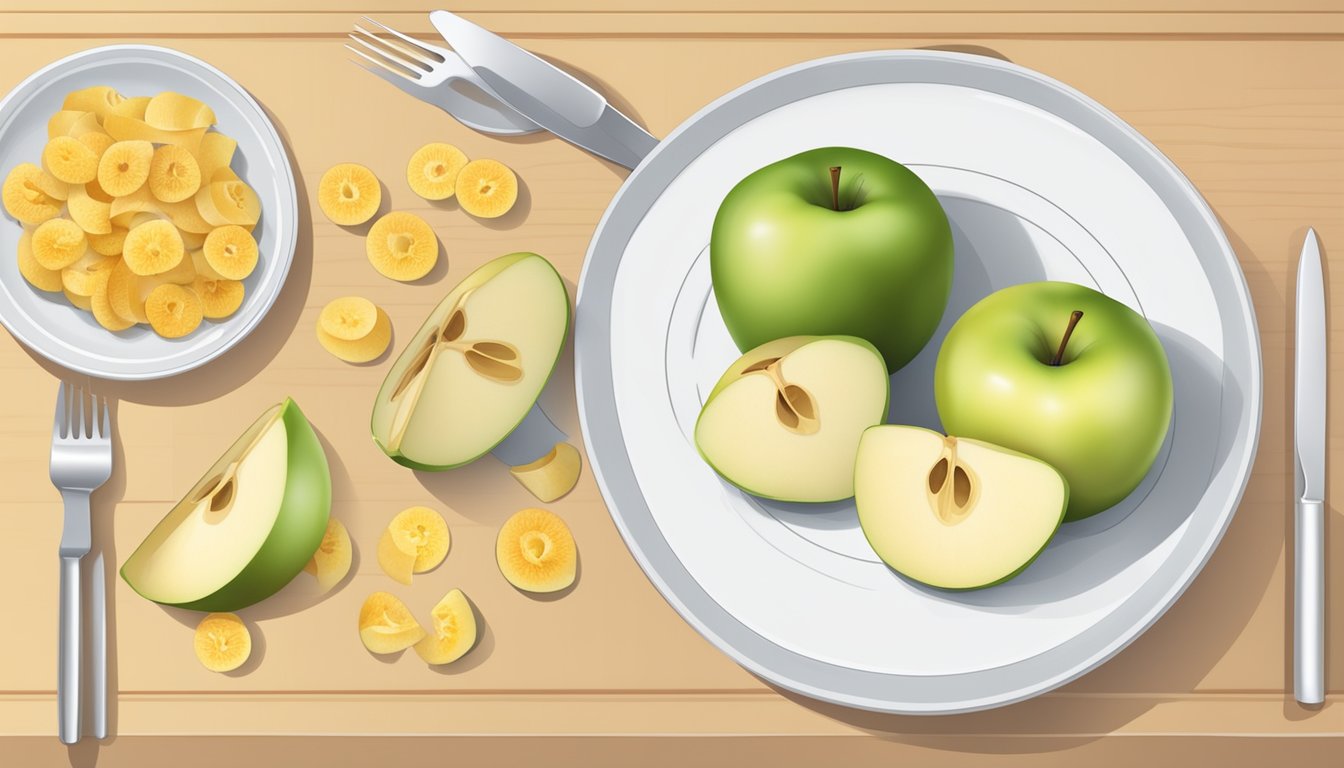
point(865, 252)
point(247, 527)
point(474, 369)
point(784, 420)
point(954, 513)
point(1099, 416)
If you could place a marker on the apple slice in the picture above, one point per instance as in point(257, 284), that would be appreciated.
point(952, 512)
point(551, 476)
point(474, 369)
point(386, 624)
point(247, 527)
point(331, 562)
point(784, 421)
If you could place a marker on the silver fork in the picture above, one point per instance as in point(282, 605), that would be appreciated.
point(81, 461)
point(438, 76)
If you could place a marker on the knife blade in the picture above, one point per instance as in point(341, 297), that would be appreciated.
point(545, 94)
point(1309, 387)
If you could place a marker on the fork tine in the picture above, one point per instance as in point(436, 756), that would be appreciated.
point(62, 420)
point(397, 49)
point(79, 397)
point(418, 45)
point(107, 419)
point(403, 72)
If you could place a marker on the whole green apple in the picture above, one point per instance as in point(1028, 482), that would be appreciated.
point(1063, 373)
point(833, 241)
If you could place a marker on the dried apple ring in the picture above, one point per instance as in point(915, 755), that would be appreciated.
point(402, 246)
point(70, 160)
point(58, 243)
point(486, 189)
point(173, 311)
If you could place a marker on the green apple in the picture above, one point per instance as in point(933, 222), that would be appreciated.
point(833, 241)
point(784, 421)
point(1063, 373)
point(247, 527)
point(951, 512)
point(473, 370)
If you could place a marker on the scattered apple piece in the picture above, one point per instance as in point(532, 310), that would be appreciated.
point(222, 642)
point(551, 476)
point(402, 246)
point(452, 630)
point(424, 532)
point(396, 556)
point(331, 561)
point(386, 624)
point(535, 551)
point(432, 170)
point(349, 194)
point(362, 330)
point(486, 189)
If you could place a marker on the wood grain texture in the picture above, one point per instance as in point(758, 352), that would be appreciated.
point(1245, 97)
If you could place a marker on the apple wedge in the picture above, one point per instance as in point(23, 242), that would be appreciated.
point(784, 421)
point(247, 527)
point(474, 369)
point(952, 512)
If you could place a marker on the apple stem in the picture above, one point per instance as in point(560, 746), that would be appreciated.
point(1064, 342)
point(835, 187)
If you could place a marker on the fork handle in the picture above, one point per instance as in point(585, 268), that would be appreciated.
point(68, 679)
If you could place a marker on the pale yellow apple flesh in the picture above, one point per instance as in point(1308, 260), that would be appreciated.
point(952, 512)
point(471, 374)
point(784, 421)
point(229, 514)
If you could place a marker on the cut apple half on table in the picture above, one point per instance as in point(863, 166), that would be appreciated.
point(784, 421)
point(951, 512)
point(247, 527)
point(470, 374)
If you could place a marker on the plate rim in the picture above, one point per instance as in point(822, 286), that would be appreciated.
point(287, 238)
point(593, 371)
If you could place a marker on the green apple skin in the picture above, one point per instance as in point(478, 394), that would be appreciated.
point(1099, 418)
point(297, 532)
point(784, 262)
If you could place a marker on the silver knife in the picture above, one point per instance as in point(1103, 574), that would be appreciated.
point(545, 94)
point(1309, 452)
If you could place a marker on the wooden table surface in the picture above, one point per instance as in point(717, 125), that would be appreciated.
point(1246, 96)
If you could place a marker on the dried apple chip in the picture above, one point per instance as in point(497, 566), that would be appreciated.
point(102, 309)
point(169, 111)
point(216, 152)
point(131, 129)
point(81, 277)
point(173, 311)
point(92, 216)
point(153, 247)
point(70, 160)
point(174, 174)
point(25, 197)
point(228, 201)
point(59, 123)
point(37, 275)
point(124, 167)
point(231, 252)
point(58, 243)
point(219, 298)
point(402, 246)
point(133, 107)
point(98, 99)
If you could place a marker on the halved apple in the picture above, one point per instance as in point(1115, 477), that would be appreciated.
point(474, 369)
point(247, 527)
point(784, 421)
point(952, 512)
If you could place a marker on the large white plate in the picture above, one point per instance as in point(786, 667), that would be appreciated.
point(46, 323)
point(1039, 182)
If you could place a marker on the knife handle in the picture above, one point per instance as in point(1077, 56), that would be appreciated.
point(69, 674)
point(1309, 602)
